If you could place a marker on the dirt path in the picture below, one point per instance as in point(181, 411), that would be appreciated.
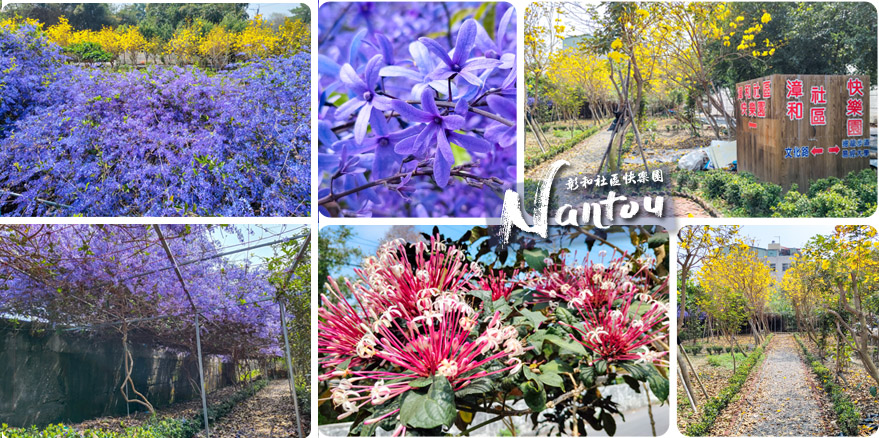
point(268, 414)
point(780, 399)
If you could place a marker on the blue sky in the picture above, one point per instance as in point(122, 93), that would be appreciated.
point(366, 238)
point(267, 9)
point(254, 235)
point(791, 236)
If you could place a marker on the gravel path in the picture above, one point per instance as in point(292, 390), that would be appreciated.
point(268, 414)
point(783, 402)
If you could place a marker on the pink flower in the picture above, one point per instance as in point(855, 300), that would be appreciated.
point(498, 284)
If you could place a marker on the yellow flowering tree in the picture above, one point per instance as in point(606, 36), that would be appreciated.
point(580, 76)
point(686, 33)
point(185, 43)
point(293, 36)
point(61, 33)
point(736, 269)
point(258, 39)
point(132, 42)
point(217, 47)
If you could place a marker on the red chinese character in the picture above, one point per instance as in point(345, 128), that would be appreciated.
point(794, 88)
point(761, 108)
point(795, 110)
point(818, 95)
point(756, 92)
point(740, 92)
point(816, 116)
point(767, 89)
point(854, 128)
point(855, 87)
point(854, 107)
point(747, 91)
point(752, 109)
point(744, 109)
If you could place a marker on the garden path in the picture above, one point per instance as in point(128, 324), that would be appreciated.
point(784, 401)
point(268, 414)
point(584, 159)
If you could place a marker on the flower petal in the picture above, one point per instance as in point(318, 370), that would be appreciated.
point(442, 166)
point(379, 124)
point(437, 49)
point(465, 42)
point(362, 123)
point(349, 77)
point(348, 108)
point(480, 63)
point(410, 113)
point(453, 122)
point(472, 144)
point(428, 103)
point(370, 73)
point(502, 107)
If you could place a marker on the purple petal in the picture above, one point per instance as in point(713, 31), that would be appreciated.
point(388, 50)
point(472, 144)
point(428, 104)
point(437, 49)
point(395, 71)
point(383, 103)
point(425, 138)
point(465, 42)
point(442, 166)
point(406, 133)
point(362, 123)
point(421, 57)
point(384, 161)
point(480, 63)
point(349, 77)
point(470, 77)
point(453, 122)
point(410, 113)
point(406, 146)
point(370, 73)
point(502, 27)
point(502, 107)
point(348, 108)
point(379, 124)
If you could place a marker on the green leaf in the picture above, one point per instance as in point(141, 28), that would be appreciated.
point(434, 409)
point(552, 379)
point(556, 366)
point(461, 155)
point(600, 367)
point(421, 382)
point(658, 384)
point(534, 258)
point(483, 295)
point(564, 315)
point(658, 239)
point(638, 371)
point(610, 425)
point(535, 396)
point(632, 382)
point(536, 318)
point(873, 391)
point(568, 344)
point(537, 338)
point(478, 386)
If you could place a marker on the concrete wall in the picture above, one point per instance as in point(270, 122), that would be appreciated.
point(51, 377)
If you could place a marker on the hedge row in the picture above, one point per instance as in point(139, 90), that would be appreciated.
point(712, 409)
point(167, 428)
point(553, 150)
point(847, 414)
point(854, 195)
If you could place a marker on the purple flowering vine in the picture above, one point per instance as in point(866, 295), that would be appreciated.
point(422, 109)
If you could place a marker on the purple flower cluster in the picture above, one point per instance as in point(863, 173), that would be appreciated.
point(84, 275)
point(417, 108)
point(159, 141)
point(27, 62)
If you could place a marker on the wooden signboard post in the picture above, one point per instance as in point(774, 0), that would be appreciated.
point(800, 128)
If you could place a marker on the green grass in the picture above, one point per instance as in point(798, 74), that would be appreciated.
point(725, 360)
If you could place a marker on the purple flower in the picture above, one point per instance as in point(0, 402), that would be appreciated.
point(438, 128)
point(365, 98)
point(458, 63)
point(498, 132)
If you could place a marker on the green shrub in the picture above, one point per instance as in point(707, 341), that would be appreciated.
point(553, 150)
point(794, 204)
point(714, 361)
point(847, 414)
point(837, 201)
point(715, 184)
point(88, 51)
point(166, 428)
point(713, 407)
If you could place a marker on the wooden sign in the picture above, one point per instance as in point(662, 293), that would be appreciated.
point(800, 128)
